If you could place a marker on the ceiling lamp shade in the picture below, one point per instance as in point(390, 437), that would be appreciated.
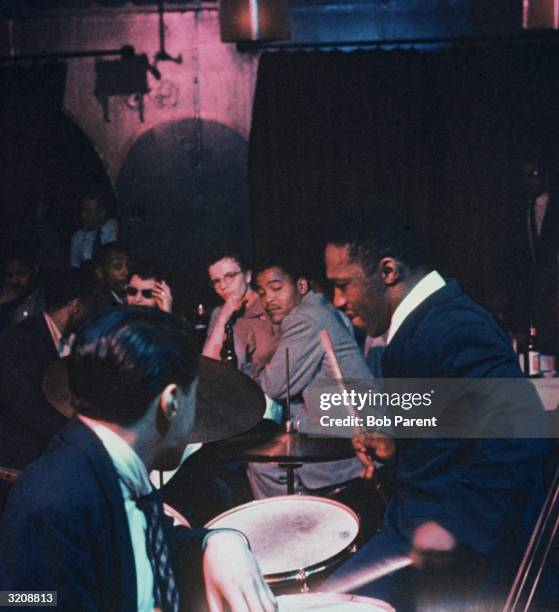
point(540, 14)
point(253, 20)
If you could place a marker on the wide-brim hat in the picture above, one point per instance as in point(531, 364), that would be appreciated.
point(228, 402)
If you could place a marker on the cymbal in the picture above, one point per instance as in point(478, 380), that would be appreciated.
point(297, 447)
point(56, 389)
point(228, 402)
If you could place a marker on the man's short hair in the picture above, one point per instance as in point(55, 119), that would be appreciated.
point(105, 251)
point(375, 230)
point(290, 266)
point(124, 358)
point(147, 269)
point(229, 253)
point(62, 285)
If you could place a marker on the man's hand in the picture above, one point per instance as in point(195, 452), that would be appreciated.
point(431, 544)
point(232, 575)
point(369, 446)
point(232, 304)
point(163, 296)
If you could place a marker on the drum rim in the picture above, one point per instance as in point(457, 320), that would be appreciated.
point(283, 498)
point(342, 597)
point(299, 574)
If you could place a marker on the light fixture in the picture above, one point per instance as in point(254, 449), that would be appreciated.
point(253, 20)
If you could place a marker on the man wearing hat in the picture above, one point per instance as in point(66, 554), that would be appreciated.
point(83, 519)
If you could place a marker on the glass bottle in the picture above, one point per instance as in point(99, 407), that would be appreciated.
point(533, 369)
point(227, 352)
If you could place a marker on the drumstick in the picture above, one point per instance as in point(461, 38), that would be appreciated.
point(331, 356)
point(347, 584)
point(288, 423)
point(329, 350)
point(328, 347)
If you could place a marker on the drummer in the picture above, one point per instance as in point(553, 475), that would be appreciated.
point(83, 519)
point(468, 502)
point(301, 315)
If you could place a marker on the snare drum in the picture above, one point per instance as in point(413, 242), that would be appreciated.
point(293, 536)
point(331, 602)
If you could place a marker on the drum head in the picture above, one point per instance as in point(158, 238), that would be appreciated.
point(331, 602)
point(292, 532)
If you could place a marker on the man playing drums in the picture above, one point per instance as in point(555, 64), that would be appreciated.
point(469, 500)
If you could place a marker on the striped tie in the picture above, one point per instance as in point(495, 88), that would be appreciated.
point(165, 592)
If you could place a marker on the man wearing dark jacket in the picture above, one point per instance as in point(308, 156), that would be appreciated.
point(467, 500)
point(27, 420)
point(84, 520)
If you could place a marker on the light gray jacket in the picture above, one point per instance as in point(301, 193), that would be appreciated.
point(300, 333)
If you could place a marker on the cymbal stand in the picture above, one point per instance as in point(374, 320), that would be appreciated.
point(540, 543)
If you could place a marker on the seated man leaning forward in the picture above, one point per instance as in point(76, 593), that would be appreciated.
point(463, 506)
point(302, 314)
point(146, 286)
point(83, 520)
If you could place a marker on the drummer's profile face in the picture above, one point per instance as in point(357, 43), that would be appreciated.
point(278, 292)
point(364, 298)
point(228, 279)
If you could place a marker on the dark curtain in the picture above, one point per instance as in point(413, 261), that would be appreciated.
point(31, 99)
point(441, 132)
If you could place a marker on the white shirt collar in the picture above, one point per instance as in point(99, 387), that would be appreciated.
point(130, 468)
point(424, 288)
point(63, 345)
point(117, 297)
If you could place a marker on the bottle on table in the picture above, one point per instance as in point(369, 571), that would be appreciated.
point(227, 352)
point(532, 366)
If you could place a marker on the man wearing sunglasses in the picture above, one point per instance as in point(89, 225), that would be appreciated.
point(146, 287)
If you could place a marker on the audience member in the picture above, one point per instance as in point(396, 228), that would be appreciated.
point(83, 520)
point(302, 315)
point(97, 229)
point(146, 287)
point(27, 420)
point(20, 294)
point(534, 260)
point(111, 269)
point(254, 335)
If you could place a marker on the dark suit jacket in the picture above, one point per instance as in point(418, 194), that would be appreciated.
point(65, 528)
point(484, 491)
point(27, 420)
